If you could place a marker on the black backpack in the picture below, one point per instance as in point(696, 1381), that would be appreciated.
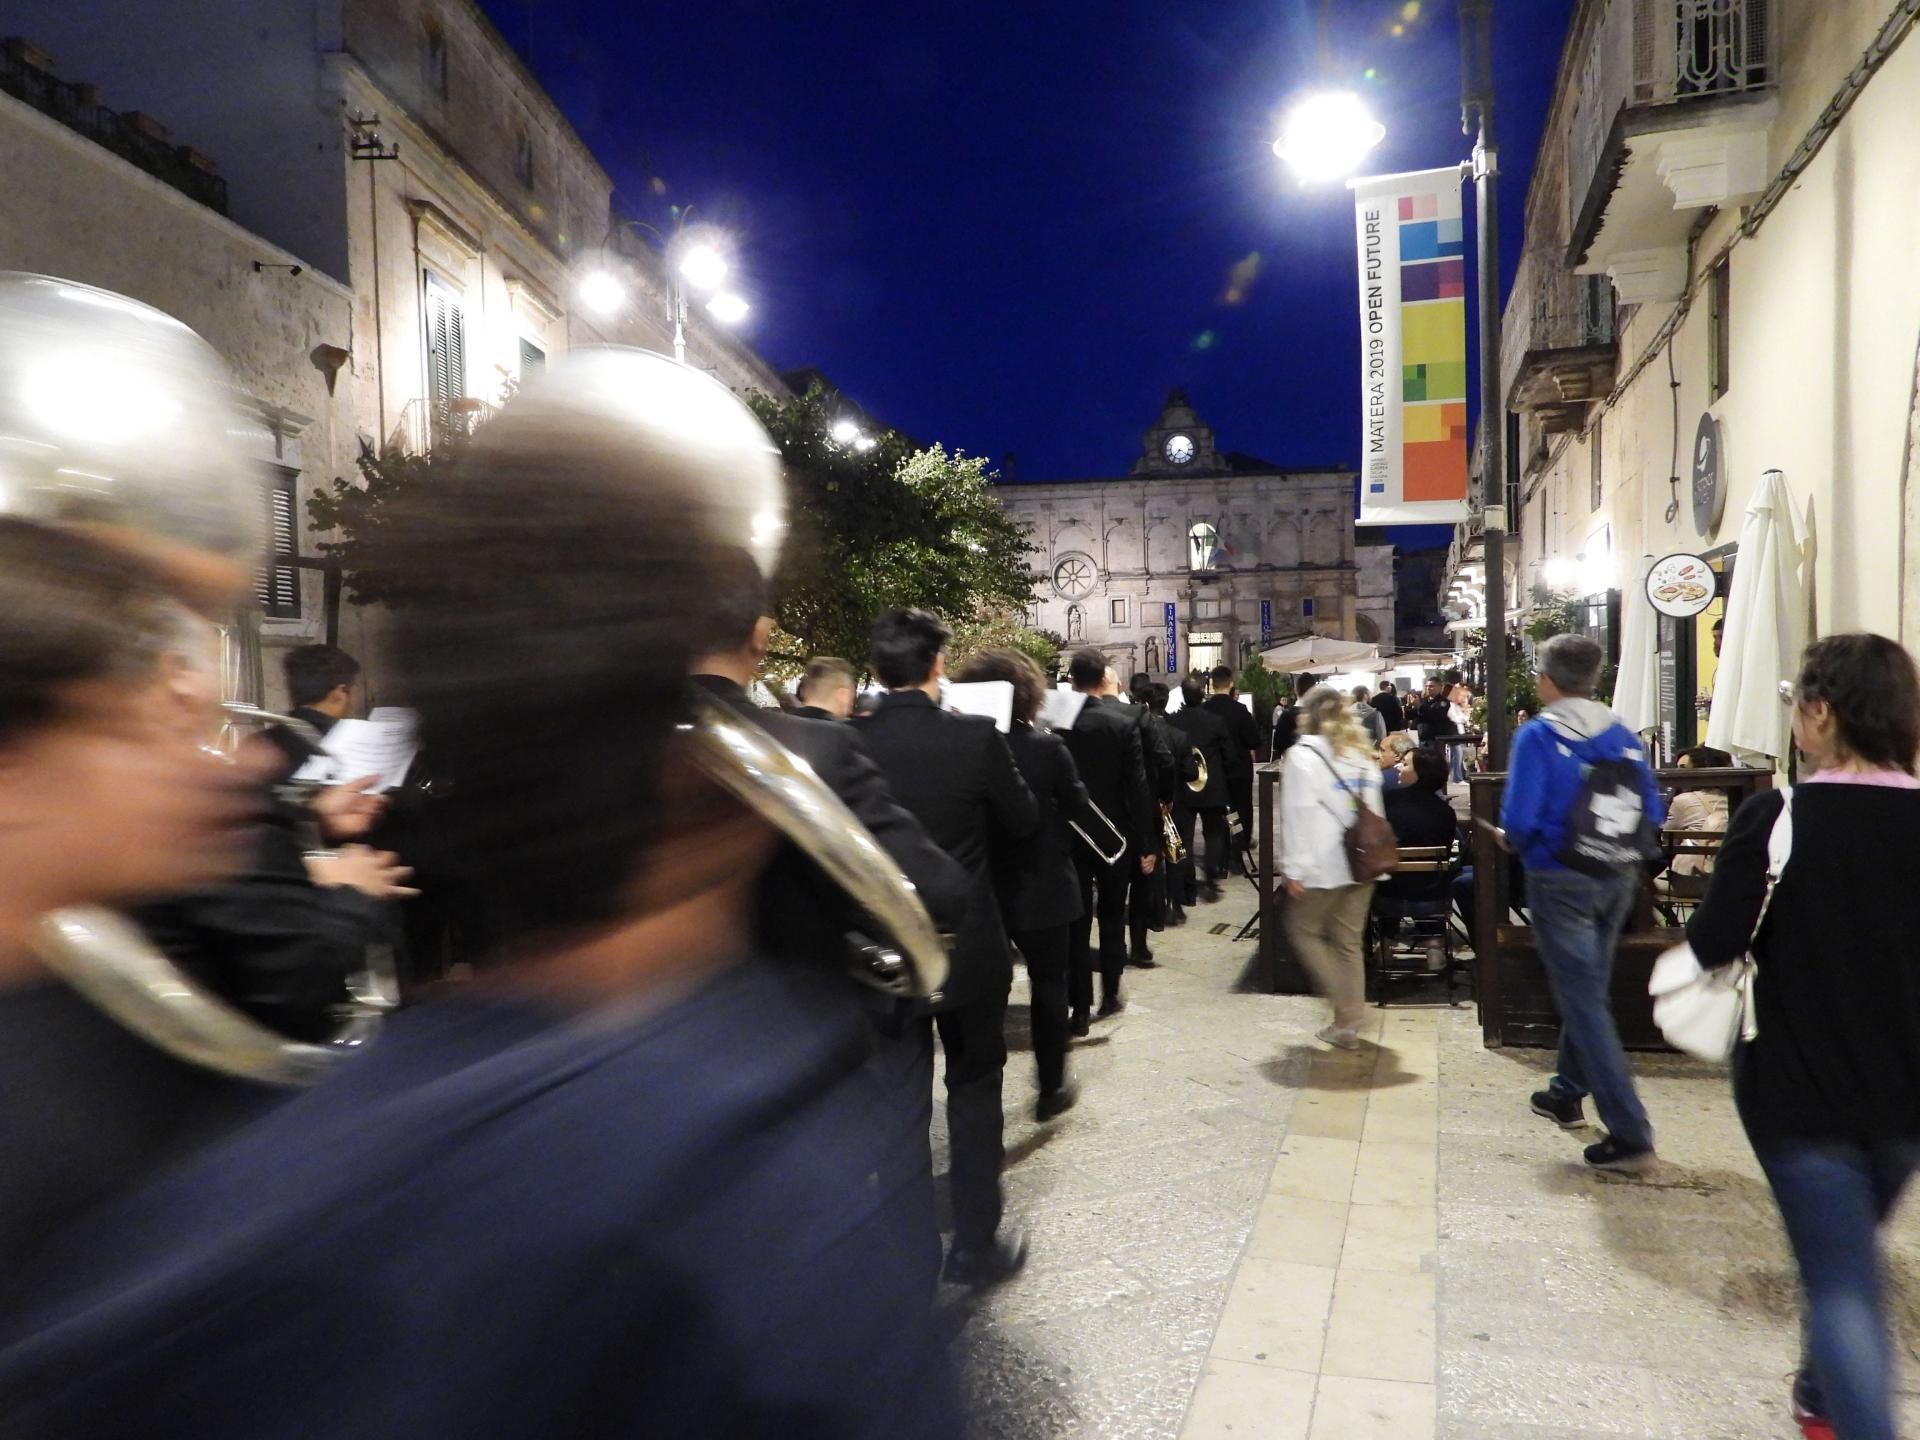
point(1608, 829)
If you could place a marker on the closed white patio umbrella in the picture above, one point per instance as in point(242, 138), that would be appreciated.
point(1636, 690)
point(1319, 654)
point(1767, 624)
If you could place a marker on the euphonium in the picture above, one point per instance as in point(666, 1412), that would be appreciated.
point(1199, 781)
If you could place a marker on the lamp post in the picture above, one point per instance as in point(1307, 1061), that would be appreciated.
point(690, 260)
point(1328, 136)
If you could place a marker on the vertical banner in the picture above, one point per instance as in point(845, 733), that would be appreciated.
point(1413, 348)
point(1173, 638)
point(1266, 623)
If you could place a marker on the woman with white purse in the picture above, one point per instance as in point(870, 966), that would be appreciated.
point(1814, 889)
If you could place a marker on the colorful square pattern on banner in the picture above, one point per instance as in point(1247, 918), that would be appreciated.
point(1413, 321)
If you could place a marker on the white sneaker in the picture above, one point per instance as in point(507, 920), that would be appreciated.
point(1339, 1038)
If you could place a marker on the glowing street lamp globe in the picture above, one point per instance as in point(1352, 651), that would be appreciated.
point(845, 432)
point(1328, 136)
point(728, 308)
point(601, 293)
point(704, 267)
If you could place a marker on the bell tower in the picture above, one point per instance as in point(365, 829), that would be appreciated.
point(1178, 442)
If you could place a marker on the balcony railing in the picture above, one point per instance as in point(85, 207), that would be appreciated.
point(1663, 52)
point(423, 424)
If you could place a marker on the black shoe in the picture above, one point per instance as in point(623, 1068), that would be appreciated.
point(1809, 1409)
point(1079, 1025)
point(988, 1264)
point(1112, 1005)
point(1142, 959)
point(1567, 1114)
point(1176, 917)
point(1210, 894)
point(1610, 1154)
point(1057, 1101)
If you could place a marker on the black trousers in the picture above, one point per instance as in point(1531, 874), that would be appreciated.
point(1146, 903)
point(1103, 898)
point(1212, 824)
point(1240, 794)
point(974, 1037)
point(903, 1065)
point(1045, 952)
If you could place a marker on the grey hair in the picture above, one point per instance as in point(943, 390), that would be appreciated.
point(1400, 744)
point(1572, 662)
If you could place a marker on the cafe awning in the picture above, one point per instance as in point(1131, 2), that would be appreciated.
point(1320, 654)
point(1766, 629)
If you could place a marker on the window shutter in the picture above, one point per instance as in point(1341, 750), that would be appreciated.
point(278, 586)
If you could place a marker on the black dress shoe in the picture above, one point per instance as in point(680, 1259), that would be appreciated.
point(1142, 959)
point(1057, 1102)
point(987, 1264)
point(1112, 1005)
point(1079, 1025)
point(1210, 894)
point(1176, 918)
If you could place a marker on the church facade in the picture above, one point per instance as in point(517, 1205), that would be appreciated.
point(1198, 556)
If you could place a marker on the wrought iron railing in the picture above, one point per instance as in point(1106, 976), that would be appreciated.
point(1552, 308)
point(132, 137)
point(423, 424)
point(1660, 52)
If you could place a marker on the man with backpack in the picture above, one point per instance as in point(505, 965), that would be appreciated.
point(1582, 811)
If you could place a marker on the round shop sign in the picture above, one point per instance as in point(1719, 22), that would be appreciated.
point(1709, 493)
point(1682, 585)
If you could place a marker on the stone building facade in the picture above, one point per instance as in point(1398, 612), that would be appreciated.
point(441, 211)
point(1197, 557)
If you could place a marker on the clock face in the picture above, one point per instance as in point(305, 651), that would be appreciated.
point(1179, 449)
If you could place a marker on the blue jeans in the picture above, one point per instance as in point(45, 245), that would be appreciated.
point(1833, 1195)
point(1577, 920)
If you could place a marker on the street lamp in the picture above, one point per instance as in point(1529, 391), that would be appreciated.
point(1326, 137)
point(698, 261)
point(728, 308)
point(602, 294)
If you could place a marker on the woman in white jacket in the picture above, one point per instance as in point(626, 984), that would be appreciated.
point(1330, 772)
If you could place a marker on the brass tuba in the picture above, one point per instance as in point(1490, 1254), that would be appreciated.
point(1199, 781)
point(117, 416)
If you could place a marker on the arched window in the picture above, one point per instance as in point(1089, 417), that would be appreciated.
point(1203, 544)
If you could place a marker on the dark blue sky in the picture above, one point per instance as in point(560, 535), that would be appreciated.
point(1009, 225)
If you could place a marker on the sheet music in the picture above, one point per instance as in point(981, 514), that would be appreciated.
point(991, 698)
point(1061, 708)
point(382, 745)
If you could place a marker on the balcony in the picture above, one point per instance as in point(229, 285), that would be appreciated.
point(1558, 353)
point(423, 424)
point(1673, 105)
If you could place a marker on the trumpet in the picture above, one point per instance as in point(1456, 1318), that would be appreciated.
point(1175, 847)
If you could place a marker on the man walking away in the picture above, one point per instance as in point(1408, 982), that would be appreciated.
point(957, 776)
point(1243, 738)
point(1107, 750)
point(1200, 730)
point(1392, 714)
point(826, 690)
point(1571, 792)
point(1147, 893)
point(1368, 718)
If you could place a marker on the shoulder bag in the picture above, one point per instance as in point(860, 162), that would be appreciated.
point(1708, 1012)
point(1372, 849)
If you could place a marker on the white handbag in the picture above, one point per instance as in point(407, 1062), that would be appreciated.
point(1707, 1012)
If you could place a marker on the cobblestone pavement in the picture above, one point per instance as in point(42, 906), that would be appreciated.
point(1238, 1233)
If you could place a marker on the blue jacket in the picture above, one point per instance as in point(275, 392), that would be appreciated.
point(1548, 768)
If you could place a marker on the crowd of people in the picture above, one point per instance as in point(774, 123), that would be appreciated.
point(639, 1149)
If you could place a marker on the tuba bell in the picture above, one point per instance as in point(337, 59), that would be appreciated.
point(1199, 781)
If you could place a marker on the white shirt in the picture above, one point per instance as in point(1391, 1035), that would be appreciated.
point(1317, 803)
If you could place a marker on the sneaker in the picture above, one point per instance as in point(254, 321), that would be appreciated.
point(1056, 1102)
point(1807, 1404)
point(1338, 1038)
point(1610, 1154)
point(1567, 1114)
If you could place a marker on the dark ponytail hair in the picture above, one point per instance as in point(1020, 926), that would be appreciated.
point(1870, 684)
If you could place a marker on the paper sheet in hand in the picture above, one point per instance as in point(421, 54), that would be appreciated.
point(991, 698)
point(382, 745)
point(1061, 708)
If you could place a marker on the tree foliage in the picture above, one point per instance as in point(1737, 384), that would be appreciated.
point(360, 514)
point(889, 525)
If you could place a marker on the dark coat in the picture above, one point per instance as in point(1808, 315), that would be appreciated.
point(1168, 764)
point(1036, 880)
point(814, 712)
point(1433, 718)
point(837, 756)
point(1387, 702)
point(1243, 734)
point(955, 774)
point(1199, 729)
point(1108, 751)
point(1420, 818)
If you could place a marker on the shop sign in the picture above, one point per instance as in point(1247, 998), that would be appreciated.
point(1173, 638)
point(1709, 485)
point(1681, 585)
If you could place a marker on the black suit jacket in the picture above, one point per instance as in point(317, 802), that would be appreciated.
point(1243, 734)
point(1433, 718)
point(1108, 750)
point(795, 915)
point(1199, 729)
point(814, 712)
point(955, 774)
point(1391, 710)
point(1037, 882)
point(1166, 763)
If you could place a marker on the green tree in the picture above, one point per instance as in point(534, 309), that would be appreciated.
point(888, 525)
point(359, 514)
point(1005, 630)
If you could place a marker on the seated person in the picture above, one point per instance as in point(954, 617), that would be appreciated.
point(1421, 819)
point(1704, 810)
point(1394, 751)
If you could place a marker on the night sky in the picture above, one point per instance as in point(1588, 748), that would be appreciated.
point(1011, 225)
